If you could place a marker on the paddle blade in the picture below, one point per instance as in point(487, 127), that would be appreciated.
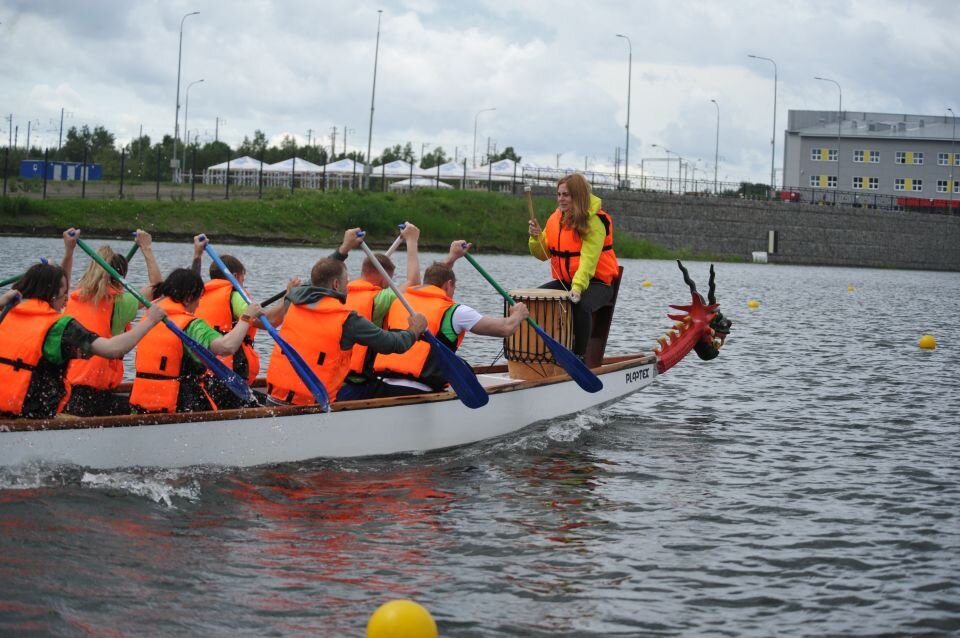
point(305, 372)
point(570, 362)
point(458, 373)
point(233, 381)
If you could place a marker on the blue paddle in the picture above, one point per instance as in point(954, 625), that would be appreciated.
point(234, 381)
point(306, 374)
point(458, 373)
point(570, 362)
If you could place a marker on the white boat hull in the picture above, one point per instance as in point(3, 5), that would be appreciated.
point(241, 438)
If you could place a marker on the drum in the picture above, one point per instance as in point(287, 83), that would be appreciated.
point(526, 353)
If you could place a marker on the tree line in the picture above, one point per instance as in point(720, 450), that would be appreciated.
point(144, 158)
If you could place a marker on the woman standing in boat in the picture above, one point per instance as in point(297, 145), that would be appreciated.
point(578, 241)
point(100, 303)
point(37, 341)
point(169, 377)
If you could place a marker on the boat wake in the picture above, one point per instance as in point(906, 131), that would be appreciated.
point(162, 486)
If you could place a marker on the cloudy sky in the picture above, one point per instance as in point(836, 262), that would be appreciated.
point(554, 71)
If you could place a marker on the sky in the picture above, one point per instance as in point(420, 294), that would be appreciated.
point(555, 71)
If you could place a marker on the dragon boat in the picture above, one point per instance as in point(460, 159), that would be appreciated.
point(279, 434)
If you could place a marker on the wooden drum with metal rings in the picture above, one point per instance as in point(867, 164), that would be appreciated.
point(527, 355)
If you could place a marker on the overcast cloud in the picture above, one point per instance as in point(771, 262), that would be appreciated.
point(554, 70)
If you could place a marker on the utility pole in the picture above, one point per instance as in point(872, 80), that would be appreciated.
point(309, 136)
point(333, 141)
point(9, 120)
point(216, 130)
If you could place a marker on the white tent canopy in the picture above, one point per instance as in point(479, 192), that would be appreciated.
point(396, 168)
point(245, 163)
point(345, 166)
point(294, 164)
point(418, 182)
point(501, 171)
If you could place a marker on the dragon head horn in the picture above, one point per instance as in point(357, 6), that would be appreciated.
point(689, 282)
point(712, 294)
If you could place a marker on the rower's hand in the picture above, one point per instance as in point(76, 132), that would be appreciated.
point(293, 283)
point(351, 239)
point(70, 236)
point(410, 233)
point(10, 296)
point(253, 310)
point(574, 296)
point(143, 238)
point(416, 324)
point(520, 311)
point(155, 314)
point(533, 227)
point(199, 243)
point(458, 249)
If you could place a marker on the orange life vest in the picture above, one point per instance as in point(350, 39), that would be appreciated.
point(215, 309)
point(564, 245)
point(416, 363)
point(360, 296)
point(160, 363)
point(22, 334)
point(96, 372)
point(314, 331)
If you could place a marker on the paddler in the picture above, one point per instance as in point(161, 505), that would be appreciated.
point(221, 306)
point(371, 296)
point(169, 377)
point(417, 371)
point(101, 304)
point(37, 341)
point(323, 330)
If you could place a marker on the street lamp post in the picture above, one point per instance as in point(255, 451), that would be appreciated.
point(773, 138)
point(716, 149)
point(373, 94)
point(626, 161)
point(475, 117)
point(680, 161)
point(176, 117)
point(839, 122)
point(186, 113)
point(953, 156)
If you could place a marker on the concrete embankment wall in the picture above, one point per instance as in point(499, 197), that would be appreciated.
point(806, 234)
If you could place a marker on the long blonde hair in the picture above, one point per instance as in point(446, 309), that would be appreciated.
point(579, 189)
point(97, 284)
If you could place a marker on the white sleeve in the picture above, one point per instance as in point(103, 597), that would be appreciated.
point(464, 318)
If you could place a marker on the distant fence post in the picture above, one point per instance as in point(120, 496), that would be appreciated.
point(489, 175)
point(293, 174)
point(260, 179)
point(46, 155)
point(159, 159)
point(123, 163)
point(438, 173)
point(193, 173)
point(383, 177)
point(6, 164)
point(226, 194)
point(324, 188)
point(83, 174)
point(513, 185)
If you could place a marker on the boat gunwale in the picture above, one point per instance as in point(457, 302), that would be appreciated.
point(610, 365)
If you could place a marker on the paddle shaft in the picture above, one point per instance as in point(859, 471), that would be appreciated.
point(10, 280)
point(497, 286)
point(7, 309)
point(386, 278)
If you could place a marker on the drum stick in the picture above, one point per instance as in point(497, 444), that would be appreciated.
point(533, 217)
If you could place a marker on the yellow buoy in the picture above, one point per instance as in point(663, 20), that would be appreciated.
point(401, 619)
point(753, 303)
point(927, 342)
point(646, 284)
point(850, 288)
